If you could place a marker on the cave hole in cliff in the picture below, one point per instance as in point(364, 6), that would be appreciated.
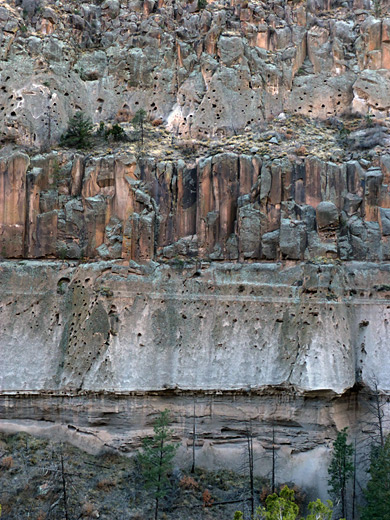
point(62, 285)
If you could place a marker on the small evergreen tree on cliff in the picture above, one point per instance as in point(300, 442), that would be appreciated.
point(156, 459)
point(78, 133)
point(341, 469)
point(139, 122)
point(377, 493)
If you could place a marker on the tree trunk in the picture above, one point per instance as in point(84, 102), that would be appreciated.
point(273, 461)
point(193, 441)
point(156, 509)
point(64, 487)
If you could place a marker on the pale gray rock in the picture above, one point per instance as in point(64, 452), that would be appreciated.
point(327, 215)
point(92, 66)
point(292, 239)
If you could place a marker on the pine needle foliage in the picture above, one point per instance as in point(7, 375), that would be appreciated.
point(377, 493)
point(341, 469)
point(320, 511)
point(79, 132)
point(139, 122)
point(279, 507)
point(283, 507)
point(156, 459)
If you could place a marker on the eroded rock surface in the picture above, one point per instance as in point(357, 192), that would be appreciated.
point(239, 258)
point(202, 71)
point(288, 346)
point(225, 207)
point(110, 327)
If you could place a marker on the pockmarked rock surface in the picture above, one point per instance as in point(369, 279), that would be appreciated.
point(111, 327)
point(237, 259)
point(91, 352)
point(203, 71)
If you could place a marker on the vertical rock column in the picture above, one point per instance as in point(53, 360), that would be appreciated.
point(13, 204)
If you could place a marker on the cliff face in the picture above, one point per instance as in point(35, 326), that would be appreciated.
point(282, 188)
point(225, 207)
point(92, 352)
point(204, 71)
point(238, 258)
point(230, 327)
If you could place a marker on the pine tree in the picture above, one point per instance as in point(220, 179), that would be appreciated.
point(139, 122)
point(377, 493)
point(156, 459)
point(78, 133)
point(320, 511)
point(341, 469)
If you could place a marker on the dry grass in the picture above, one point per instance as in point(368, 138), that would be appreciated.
point(7, 462)
point(89, 510)
point(105, 484)
point(187, 482)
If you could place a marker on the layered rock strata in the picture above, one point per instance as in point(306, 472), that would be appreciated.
point(181, 278)
point(303, 426)
point(287, 345)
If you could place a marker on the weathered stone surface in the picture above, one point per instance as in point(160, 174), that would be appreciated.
point(327, 216)
point(225, 207)
point(279, 344)
point(249, 157)
point(13, 204)
point(247, 67)
point(198, 345)
point(304, 428)
point(292, 239)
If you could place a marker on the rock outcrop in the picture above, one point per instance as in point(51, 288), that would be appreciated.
point(288, 346)
point(237, 255)
point(204, 72)
point(225, 207)
point(316, 326)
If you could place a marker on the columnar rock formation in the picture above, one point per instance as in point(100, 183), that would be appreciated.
point(225, 207)
point(239, 258)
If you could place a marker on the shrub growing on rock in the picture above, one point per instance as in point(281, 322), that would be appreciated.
point(116, 132)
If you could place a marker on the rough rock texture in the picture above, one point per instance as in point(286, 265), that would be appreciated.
point(284, 344)
point(238, 256)
point(313, 326)
point(204, 72)
point(304, 427)
point(225, 207)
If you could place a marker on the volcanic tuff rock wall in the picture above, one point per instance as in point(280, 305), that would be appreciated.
point(176, 304)
point(225, 207)
point(113, 327)
point(204, 72)
point(92, 352)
